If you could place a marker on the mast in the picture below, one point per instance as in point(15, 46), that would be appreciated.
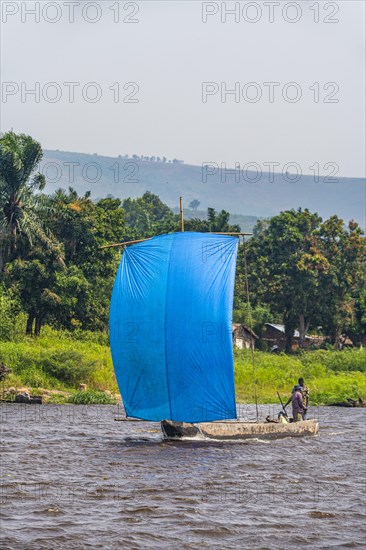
point(181, 214)
point(251, 329)
point(126, 243)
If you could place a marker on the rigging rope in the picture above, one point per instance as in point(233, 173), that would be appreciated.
point(251, 328)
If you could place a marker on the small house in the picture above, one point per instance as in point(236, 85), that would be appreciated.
point(275, 337)
point(345, 342)
point(243, 336)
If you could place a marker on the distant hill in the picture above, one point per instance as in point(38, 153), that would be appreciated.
point(124, 177)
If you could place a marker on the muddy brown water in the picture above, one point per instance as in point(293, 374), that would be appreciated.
point(73, 478)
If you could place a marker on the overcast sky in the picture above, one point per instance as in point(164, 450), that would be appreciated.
point(168, 54)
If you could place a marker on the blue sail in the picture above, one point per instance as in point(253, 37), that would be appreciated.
point(170, 327)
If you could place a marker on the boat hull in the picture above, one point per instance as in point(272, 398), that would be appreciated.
point(237, 430)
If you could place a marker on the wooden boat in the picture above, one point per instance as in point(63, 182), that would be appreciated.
point(349, 403)
point(24, 398)
point(29, 399)
point(170, 336)
point(238, 430)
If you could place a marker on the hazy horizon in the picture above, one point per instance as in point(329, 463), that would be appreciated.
point(271, 82)
point(228, 168)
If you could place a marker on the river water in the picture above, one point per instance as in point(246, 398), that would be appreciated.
point(73, 478)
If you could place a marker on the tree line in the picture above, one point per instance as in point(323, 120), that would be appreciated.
point(302, 271)
point(153, 158)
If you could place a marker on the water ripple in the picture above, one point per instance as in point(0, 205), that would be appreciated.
point(73, 478)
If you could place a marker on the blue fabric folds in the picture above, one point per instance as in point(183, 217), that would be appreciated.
point(170, 327)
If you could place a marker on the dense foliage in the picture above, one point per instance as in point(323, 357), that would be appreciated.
point(331, 376)
point(37, 363)
point(310, 274)
point(303, 271)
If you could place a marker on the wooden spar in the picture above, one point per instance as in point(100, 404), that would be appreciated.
point(125, 243)
point(238, 233)
point(127, 419)
point(181, 214)
point(116, 245)
point(235, 233)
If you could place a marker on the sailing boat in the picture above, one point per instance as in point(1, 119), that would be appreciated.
point(170, 335)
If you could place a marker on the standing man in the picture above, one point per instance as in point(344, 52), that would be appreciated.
point(298, 408)
point(305, 395)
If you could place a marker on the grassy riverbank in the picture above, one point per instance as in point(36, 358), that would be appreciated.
point(331, 375)
point(61, 361)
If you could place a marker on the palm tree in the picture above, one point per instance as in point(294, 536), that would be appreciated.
point(20, 204)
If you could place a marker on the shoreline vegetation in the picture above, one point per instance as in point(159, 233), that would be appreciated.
point(55, 364)
point(57, 275)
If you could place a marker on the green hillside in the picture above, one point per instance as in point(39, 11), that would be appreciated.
point(125, 177)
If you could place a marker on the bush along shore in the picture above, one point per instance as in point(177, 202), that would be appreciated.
point(55, 364)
